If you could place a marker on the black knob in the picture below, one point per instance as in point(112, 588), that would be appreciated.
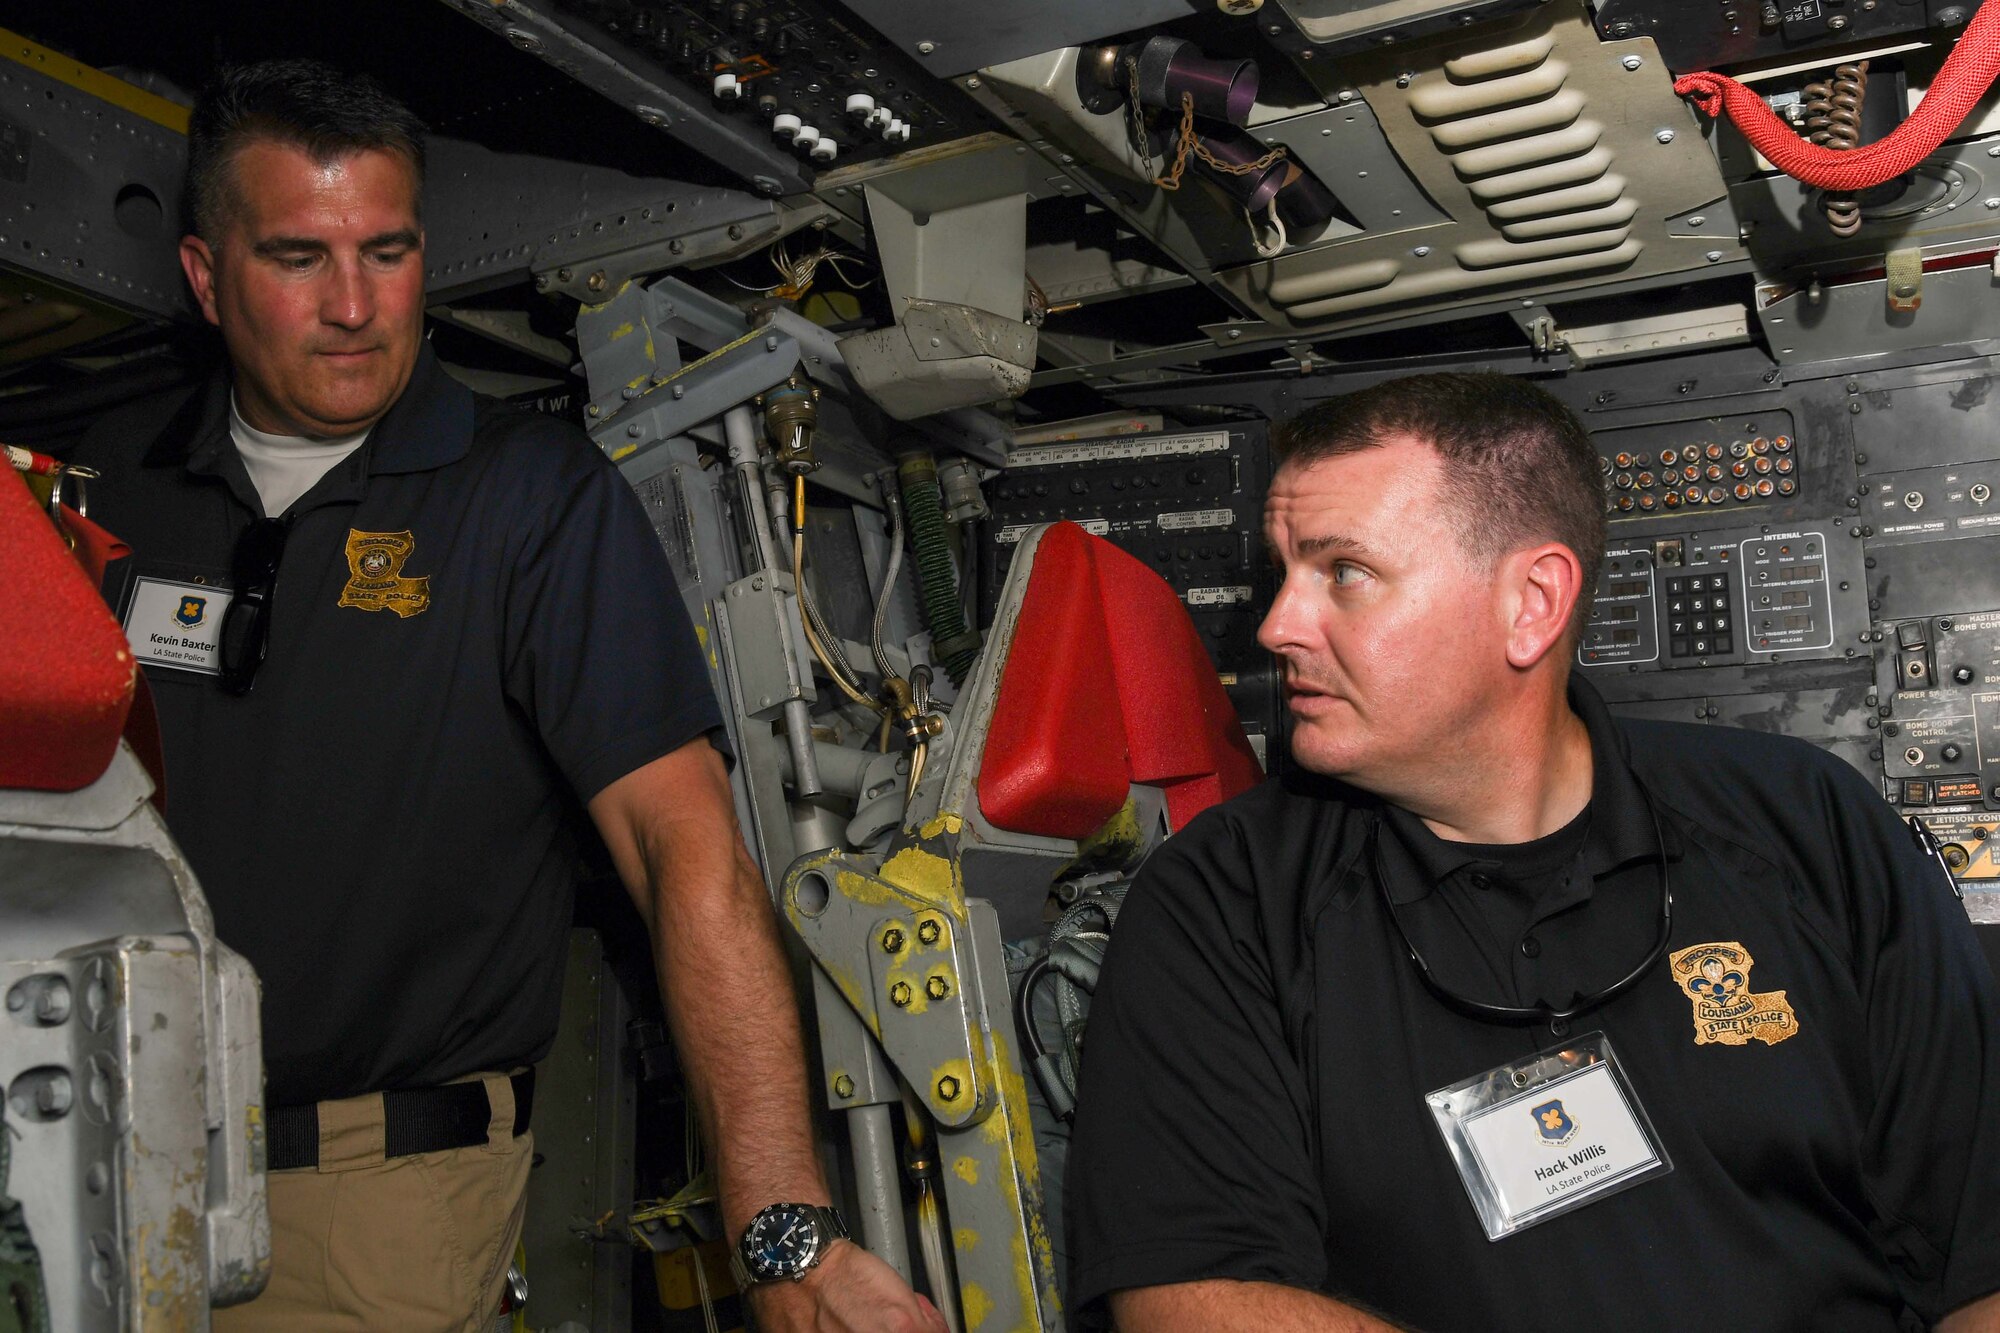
point(1962, 674)
point(1950, 754)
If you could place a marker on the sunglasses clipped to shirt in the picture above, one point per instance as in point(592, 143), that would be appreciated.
point(246, 625)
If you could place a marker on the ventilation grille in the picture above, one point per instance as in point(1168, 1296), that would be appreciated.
point(1520, 140)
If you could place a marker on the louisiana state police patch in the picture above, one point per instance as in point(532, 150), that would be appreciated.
point(1716, 979)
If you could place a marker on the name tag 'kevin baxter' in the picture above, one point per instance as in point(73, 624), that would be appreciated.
point(174, 624)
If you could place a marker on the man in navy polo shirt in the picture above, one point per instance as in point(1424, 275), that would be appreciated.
point(403, 640)
point(1507, 1015)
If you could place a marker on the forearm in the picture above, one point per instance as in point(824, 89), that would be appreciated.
point(1223, 1306)
point(1981, 1316)
point(735, 1021)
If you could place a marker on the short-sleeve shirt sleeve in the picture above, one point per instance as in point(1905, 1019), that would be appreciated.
point(1192, 1156)
point(599, 653)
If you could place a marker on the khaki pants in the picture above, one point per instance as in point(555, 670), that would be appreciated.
point(416, 1244)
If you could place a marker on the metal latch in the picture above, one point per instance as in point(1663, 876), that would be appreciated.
point(1906, 278)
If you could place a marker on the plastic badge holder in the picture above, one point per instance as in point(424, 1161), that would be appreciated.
point(1547, 1135)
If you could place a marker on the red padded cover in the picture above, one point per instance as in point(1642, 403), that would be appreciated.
point(66, 675)
point(1106, 684)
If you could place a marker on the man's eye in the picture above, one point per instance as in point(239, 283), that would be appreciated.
point(388, 258)
point(1346, 575)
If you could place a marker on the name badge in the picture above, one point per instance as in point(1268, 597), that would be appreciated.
point(174, 624)
point(1546, 1135)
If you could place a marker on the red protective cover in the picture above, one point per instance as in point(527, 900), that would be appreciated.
point(1106, 684)
point(66, 675)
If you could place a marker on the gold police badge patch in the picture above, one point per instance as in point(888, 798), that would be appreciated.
point(1716, 977)
point(375, 574)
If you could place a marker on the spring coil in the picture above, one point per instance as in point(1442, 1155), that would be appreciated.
point(955, 644)
point(1833, 120)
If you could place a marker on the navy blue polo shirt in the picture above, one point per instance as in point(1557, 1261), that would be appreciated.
point(1260, 1046)
point(473, 631)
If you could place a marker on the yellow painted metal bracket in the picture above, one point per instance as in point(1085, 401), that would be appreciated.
point(95, 82)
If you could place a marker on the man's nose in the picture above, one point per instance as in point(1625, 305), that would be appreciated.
point(1285, 624)
point(349, 300)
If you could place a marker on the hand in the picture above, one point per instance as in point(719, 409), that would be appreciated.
point(851, 1291)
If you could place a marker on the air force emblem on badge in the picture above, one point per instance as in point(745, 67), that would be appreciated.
point(1716, 978)
point(1556, 1125)
point(375, 574)
point(191, 611)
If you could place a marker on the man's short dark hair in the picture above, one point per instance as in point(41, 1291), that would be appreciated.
point(327, 112)
point(1519, 467)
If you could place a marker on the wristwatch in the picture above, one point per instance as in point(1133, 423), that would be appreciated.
point(784, 1242)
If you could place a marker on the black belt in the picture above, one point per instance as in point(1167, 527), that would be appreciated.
point(414, 1120)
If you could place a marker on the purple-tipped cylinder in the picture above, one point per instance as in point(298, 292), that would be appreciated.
point(1305, 205)
point(1252, 189)
point(1168, 67)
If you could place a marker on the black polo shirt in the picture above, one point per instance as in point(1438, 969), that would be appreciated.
point(389, 826)
point(1260, 1047)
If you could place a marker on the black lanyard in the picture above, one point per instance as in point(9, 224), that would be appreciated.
point(1508, 1013)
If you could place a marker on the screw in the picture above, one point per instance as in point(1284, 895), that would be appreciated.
point(55, 1097)
point(1697, 220)
point(1405, 79)
point(925, 48)
point(1714, 256)
point(735, 232)
point(771, 344)
point(929, 931)
point(843, 1086)
point(900, 994)
point(1664, 136)
point(595, 281)
point(972, 82)
point(564, 274)
point(1631, 62)
point(679, 391)
point(1854, 409)
point(1235, 333)
point(1421, 251)
point(947, 1089)
point(893, 940)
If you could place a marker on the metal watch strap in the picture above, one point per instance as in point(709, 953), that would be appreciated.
point(830, 1222)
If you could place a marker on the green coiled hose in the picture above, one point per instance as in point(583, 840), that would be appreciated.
point(955, 644)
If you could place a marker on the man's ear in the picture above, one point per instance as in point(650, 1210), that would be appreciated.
point(1544, 583)
point(198, 262)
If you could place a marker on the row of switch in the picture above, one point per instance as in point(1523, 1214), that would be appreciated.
point(810, 139)
point(1763, 488)
point(1714, 453)
point(1645, 479)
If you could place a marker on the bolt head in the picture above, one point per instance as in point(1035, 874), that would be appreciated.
point(925, 48)
point(893, 940)
point(947, 1089)
point(1421, 251)
point(1632, 62)
point(596, 281)
point(929, 931)
point(937, 988)
point(843, 1086)
point(1664, 136)
point(1714, 256)
point(900, 994)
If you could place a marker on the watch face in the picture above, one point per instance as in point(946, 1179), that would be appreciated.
point(782, 1242)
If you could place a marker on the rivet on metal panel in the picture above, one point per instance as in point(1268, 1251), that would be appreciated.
point(925, 48)
point(843, 1086)
point(1632, 62)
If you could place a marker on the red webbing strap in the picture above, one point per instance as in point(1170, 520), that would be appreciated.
point(1959, 85)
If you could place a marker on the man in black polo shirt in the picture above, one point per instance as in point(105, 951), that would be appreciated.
point(402, 639)
point(1510, 1015)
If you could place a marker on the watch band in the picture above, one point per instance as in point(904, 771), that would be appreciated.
point(832, 1227)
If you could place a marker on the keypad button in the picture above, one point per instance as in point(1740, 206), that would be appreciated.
point(1723, 644)
point(1702, 647)
point(1681, 648)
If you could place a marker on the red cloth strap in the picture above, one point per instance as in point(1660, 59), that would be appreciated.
point(1959, 85)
